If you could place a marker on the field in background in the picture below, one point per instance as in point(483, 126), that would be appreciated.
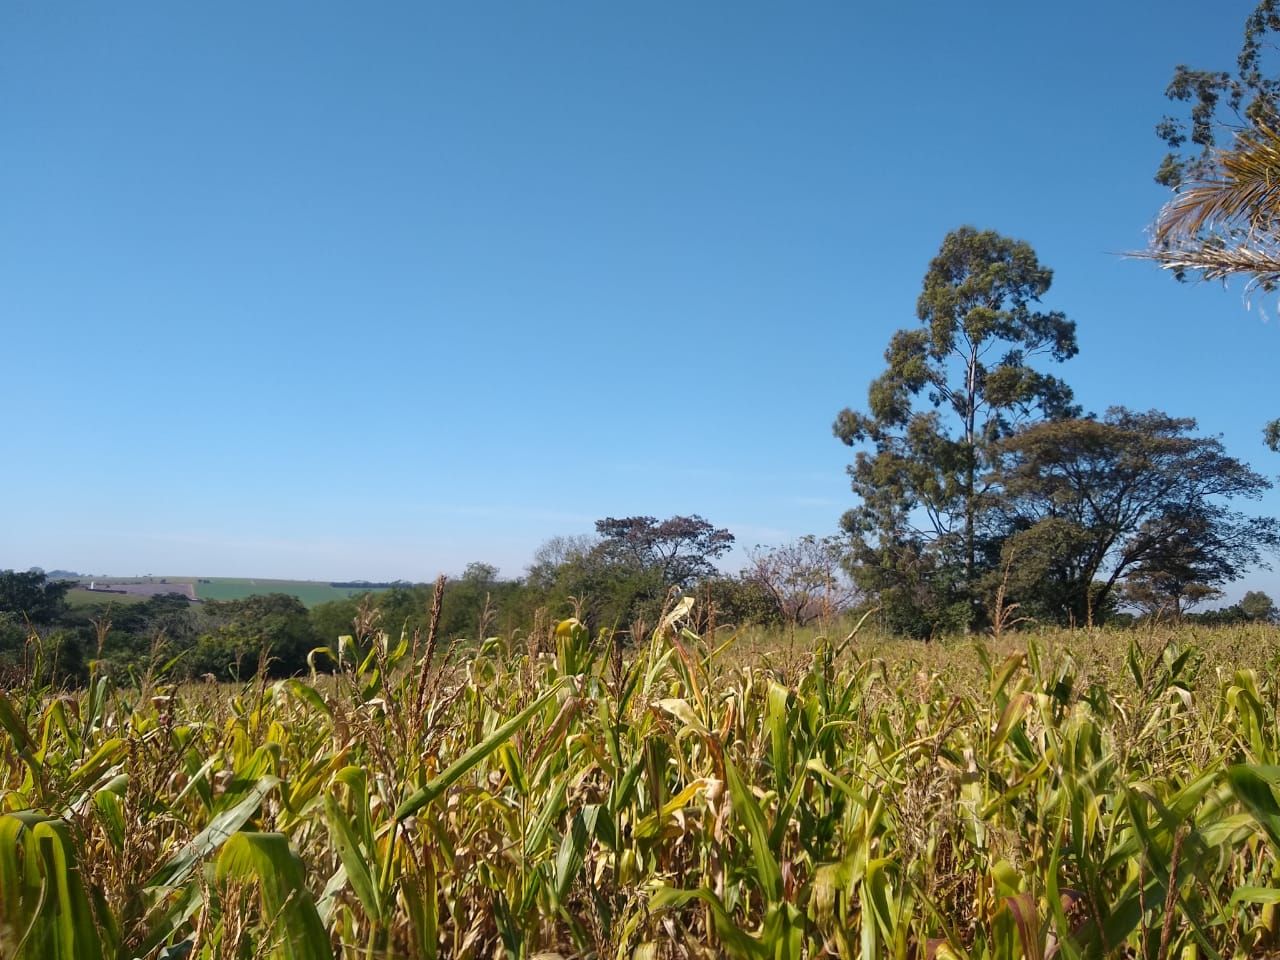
point(1051, 794)
point(310, 592)
point(85, 599)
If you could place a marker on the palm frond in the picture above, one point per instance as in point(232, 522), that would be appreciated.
point(1259, 261)
point(1244, 195)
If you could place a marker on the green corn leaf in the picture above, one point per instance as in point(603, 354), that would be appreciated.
point(748, 812)
point(23, 744)
point(422, 904)
point(1252, 786)
point(108, 754)
point(266, 860)
point(877, 896)
point(43, 904)
point(736, 941)
point(1255, 895)
point(550, 809)
point(111, 810)
point(213, 836)
point(464, 764)
point(573, 850)
point(776, 715)
point(307, 694)
point(355, 858)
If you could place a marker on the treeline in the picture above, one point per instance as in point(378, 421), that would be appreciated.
point(41, 634)
point(987, 499)
point(618, 579)
point(369, 584)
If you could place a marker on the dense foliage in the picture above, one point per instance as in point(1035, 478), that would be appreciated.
point(551, 796)
point(918, 533)
point(1131, 495)
point(617, 581)
point(984, 489)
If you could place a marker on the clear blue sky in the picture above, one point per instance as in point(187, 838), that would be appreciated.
point(332, 290)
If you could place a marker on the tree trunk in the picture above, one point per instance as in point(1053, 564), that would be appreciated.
point(971, 472)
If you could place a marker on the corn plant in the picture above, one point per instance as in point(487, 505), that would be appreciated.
point(1045, 794)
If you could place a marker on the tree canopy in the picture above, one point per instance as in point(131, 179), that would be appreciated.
point(953, 387)
point(1222, 103)
point(680, 550)
point(1257, 606)
point(1130, 494)
point(32, 596)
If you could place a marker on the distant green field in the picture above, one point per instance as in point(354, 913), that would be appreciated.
point(310, 592)
point(84, 600)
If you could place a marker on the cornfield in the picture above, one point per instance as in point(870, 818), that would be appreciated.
point(560, 795)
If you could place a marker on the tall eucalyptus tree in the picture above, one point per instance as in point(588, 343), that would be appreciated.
point(954, 386)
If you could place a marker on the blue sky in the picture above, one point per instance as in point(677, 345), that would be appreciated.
point(326, 290)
